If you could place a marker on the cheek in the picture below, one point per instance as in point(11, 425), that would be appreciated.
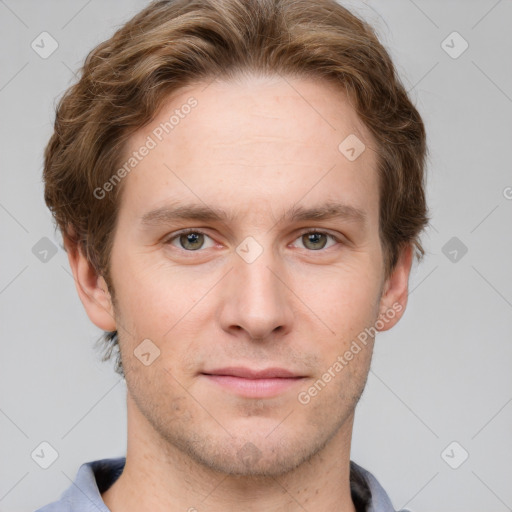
point(157, 393)
point(149, 297)
point(345, 298)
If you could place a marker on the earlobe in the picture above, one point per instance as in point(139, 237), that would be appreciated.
point(92, 288)
point(396, 289)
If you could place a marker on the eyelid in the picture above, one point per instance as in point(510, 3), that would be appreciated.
point(304, 231)
point(173, 236)
point(317, 230)
point(184, 231)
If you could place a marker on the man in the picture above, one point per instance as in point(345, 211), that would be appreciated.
point(239, 184)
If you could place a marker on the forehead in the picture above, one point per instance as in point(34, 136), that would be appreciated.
point(253, 142)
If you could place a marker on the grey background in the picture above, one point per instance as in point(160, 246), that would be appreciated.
point(442, 375)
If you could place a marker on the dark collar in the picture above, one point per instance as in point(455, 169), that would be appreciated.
point(107, 471)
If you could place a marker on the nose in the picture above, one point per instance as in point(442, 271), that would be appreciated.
point(257, 299)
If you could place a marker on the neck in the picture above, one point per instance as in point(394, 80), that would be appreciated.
point(160, 477)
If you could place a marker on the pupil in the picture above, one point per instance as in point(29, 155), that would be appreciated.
point(191, 241)
point(314, 240)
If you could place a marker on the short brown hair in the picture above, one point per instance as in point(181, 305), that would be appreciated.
point(173, 43)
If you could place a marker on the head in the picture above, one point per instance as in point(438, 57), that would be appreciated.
point(279, 134)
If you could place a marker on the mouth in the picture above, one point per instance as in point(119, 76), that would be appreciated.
point(254, 383)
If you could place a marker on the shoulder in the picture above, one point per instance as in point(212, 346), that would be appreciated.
point(84, 494)
point(376, 498)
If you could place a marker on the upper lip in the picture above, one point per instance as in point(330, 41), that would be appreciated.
point(248, 373)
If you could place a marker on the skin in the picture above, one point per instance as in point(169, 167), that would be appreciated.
point(254, 147)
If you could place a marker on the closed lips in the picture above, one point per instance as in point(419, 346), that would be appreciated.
point(247, 373)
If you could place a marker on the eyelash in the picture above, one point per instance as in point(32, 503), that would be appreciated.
point(187, 231)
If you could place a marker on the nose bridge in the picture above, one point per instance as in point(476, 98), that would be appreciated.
point(258, 301)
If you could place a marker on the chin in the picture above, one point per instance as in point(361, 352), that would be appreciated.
point(261, 457)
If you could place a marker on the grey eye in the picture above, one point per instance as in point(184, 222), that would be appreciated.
point(314, 241)
point(191, 241)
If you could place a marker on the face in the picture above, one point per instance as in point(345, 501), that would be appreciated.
point(247, 252)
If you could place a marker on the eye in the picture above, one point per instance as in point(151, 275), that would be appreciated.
point(191, 240)
point(316, 240)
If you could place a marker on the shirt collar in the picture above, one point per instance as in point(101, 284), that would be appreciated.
point(95, 477)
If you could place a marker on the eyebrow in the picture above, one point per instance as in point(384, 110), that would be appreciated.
point(204, 213)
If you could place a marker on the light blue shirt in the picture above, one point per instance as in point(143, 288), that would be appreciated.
point(94, 478)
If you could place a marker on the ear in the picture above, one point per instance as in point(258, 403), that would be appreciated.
point(92, 288)
point(396, 289)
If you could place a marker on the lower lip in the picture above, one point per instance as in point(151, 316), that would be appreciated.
point(254, 388)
